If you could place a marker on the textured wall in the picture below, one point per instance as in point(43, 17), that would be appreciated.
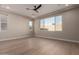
point(70, 27)
point(17, 27)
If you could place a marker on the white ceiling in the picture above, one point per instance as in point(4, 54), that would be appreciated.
point(21, 9)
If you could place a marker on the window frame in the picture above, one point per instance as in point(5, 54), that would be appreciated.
point(4, 21)
point(55, 30)
point(30, 25)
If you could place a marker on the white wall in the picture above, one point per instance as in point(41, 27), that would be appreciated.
point(17, 27)
point(70, 27)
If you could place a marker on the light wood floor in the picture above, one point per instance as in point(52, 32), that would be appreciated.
point(38, 46)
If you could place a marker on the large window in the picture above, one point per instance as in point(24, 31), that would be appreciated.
point(51, 24)
point(3, 22)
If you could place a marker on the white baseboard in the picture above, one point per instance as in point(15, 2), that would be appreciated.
point(17, 37)
point(67, 40)
point(25, 36)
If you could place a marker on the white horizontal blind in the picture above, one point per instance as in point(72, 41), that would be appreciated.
point(3, 23)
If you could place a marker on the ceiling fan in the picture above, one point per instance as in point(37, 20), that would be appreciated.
point(35, 8)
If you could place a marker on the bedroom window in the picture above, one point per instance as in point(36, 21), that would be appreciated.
point(51, 24)
point(3, 23)
point(30, 24)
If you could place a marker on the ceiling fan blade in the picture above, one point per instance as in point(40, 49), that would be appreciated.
point(38, 6)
